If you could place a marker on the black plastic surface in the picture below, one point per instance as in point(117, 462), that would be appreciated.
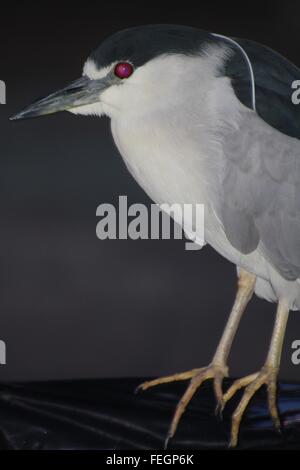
point(106, 414)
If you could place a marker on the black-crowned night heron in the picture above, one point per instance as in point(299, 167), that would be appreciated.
point(204, 118)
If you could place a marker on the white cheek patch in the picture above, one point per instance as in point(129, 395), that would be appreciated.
point(94, 109)
point(91, 71)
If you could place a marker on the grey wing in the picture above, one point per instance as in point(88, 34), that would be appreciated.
point(261, 194)
point(273, 76)
point(261, 180)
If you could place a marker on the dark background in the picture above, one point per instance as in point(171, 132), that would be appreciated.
point(70, 304)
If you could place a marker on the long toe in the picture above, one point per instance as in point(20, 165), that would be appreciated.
point(266, 376)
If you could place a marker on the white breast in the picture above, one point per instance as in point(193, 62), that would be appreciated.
point(173, 165)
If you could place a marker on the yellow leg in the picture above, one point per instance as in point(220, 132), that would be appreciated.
point(217, 369)
point(266, 376)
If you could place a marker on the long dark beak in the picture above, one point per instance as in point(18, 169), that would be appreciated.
point(78, 93)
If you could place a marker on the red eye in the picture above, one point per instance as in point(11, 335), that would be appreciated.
point(123, 69)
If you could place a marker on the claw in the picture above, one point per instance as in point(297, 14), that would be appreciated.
point(166, 443)
point(219, 410)
point(219, 395)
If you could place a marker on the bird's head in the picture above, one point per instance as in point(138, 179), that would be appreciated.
point(135, 69)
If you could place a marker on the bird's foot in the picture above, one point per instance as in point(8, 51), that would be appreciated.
point(266, 376)
point(217, 372)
